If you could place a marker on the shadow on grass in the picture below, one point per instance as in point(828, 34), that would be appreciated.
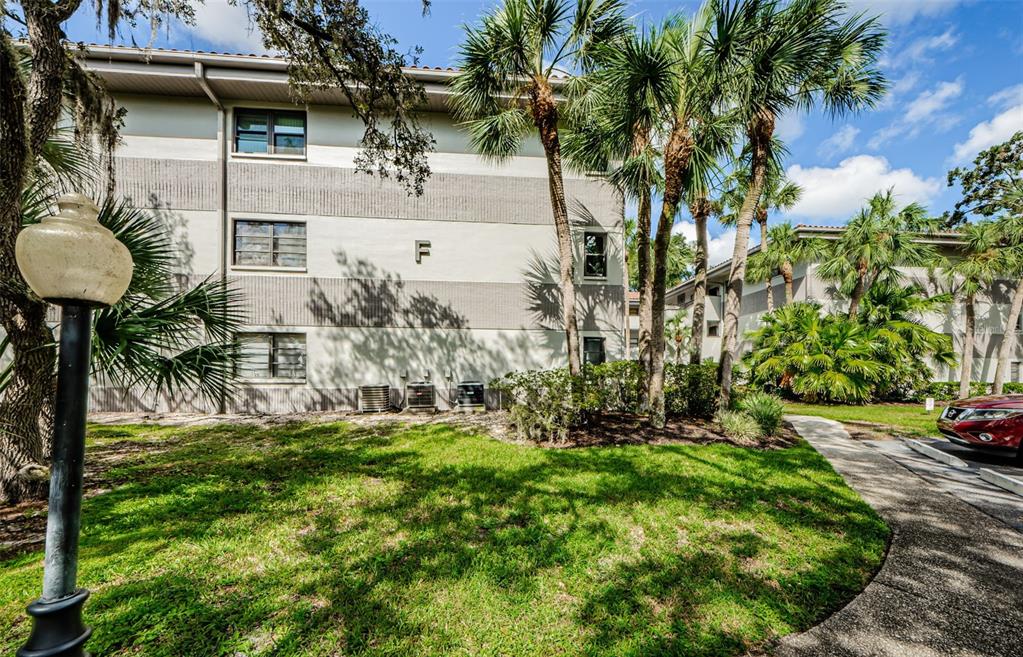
point(328, 539)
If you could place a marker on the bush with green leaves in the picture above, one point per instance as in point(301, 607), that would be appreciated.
point(765, 408)
point(739, 426)
point(881, 354)
point(612, 387)
point(544, 405)
point(691, 390)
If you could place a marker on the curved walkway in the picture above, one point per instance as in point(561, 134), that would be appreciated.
point(952, 584)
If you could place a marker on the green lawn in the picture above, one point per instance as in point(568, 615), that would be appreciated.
point(425, 540)
point(904, 418)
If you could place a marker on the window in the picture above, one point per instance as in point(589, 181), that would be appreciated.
point(714, 291)
point(595, 263)
point(593, 351)
point(1015, 375)
point(269, 131)
point(712, 329)
point(269, 243)
point(272, 356)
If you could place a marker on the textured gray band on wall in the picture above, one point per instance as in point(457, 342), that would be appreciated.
point(309, 301)
point(338, 192)
point(178, 184)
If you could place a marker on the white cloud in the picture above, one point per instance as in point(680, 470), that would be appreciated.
point(899, 88)
point(789, 127)
point(919, 50)
point(719, 249)
point(988, 133)
point(227, 27)
point(897, 12)
point(927, 110)
point(838, 192)
point(840, 142)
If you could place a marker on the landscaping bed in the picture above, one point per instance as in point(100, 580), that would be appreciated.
point(428, 539)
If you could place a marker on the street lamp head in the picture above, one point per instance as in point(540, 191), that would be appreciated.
point(70, 258)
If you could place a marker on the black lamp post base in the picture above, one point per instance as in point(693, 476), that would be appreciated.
point(57, 628)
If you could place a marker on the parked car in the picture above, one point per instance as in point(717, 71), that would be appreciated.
point(993, 423)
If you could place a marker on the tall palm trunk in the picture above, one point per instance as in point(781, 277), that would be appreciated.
point(545, 116)
point(676, 159)
point(762, 220)
point(640, 141)
point(1008, 338)
point(966, 374)
point(760, 130)
point(858, 290)
point(700, 209)
point(646, 288)
point(786, 274)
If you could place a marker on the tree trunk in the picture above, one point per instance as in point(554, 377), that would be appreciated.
point(545, 115)
point(1008, 338)
point(762, 220)
point(645, 285)
point(700, 210)
point(966, 374)
point(28, 113)
point(676, 161)
point(858, 290)
point(786, 274)
point(640, 142)
point(760, 130)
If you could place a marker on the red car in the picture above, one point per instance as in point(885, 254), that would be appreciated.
point(988, 423)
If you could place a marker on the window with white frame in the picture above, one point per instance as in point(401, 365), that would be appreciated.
point(595, 255)
point(272, 356)
point(269, 243)
point(274, 132)
point(593, 351)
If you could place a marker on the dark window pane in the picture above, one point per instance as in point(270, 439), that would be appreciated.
point(251, 131)
point(593, 351)
point(595, 260)
point(248, 143)
point(594, 243)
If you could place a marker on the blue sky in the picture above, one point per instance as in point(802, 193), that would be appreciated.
point(956, 68)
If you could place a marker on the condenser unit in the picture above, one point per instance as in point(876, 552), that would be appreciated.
point(420, 396)
point(374, 399)
point(471, 396)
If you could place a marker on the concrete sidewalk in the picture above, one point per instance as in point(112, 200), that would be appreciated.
point(952, 584)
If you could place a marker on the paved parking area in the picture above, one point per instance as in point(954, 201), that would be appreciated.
point(965, 484)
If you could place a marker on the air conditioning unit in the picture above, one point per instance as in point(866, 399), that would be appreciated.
point(420, 396)
point(471, 397)
point(374, 399)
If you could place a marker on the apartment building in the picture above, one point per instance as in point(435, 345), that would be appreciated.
point(349, 281)
point(991, 306)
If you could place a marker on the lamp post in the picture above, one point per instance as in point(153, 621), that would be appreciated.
point(70, 260)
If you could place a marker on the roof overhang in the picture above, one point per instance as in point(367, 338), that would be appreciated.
point(260, 78)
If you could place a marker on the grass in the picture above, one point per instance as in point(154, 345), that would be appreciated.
point(425, 540)
point(906, 418)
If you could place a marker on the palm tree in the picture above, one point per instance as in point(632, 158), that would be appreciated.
point(789, 57)
point(784, 251)
point(1011, 227)
point(777, 194)
point(678, 331)
point(876, 242)
point(699, 132)
point(157, 337)
point(506, 89)
point(982, 261)
point(700, 208)
point(616, 109)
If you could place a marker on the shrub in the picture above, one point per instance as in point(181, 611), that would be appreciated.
point(691, 390)
point(766, 409)
point(612, 387)
point(739, 426)
point(949, 390)
point(544, 405)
